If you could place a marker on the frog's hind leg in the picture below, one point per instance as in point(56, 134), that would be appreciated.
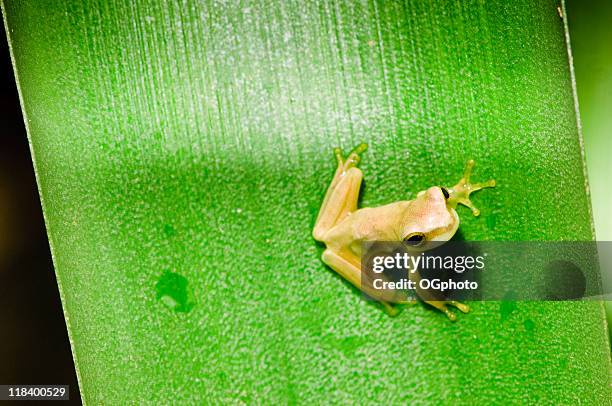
point(348, 266)
point(342, 194)
point(431, 299)
point(442, 306)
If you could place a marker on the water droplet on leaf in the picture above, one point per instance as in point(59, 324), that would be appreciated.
point(169, 230)
point(508, 305)
point(173, 291)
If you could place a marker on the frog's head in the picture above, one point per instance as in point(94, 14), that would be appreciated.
point(432, 215)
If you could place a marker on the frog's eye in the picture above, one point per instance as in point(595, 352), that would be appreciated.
point(414, 239)
point(445, 192)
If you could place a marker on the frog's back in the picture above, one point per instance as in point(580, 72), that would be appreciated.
point(381, 223)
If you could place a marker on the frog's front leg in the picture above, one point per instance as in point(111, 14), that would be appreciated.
point(342, 194)
point(460, 193)
point(349, 267)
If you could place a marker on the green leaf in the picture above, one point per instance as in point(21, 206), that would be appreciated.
point(182, 152)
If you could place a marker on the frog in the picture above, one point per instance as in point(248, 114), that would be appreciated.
point(431, 217)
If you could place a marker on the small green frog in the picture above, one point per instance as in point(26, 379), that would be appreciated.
point(430, 217)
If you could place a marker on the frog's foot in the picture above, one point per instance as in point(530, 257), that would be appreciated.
point(460, 193)
point(353, 158)
point(391, 310)
point(442, 306)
